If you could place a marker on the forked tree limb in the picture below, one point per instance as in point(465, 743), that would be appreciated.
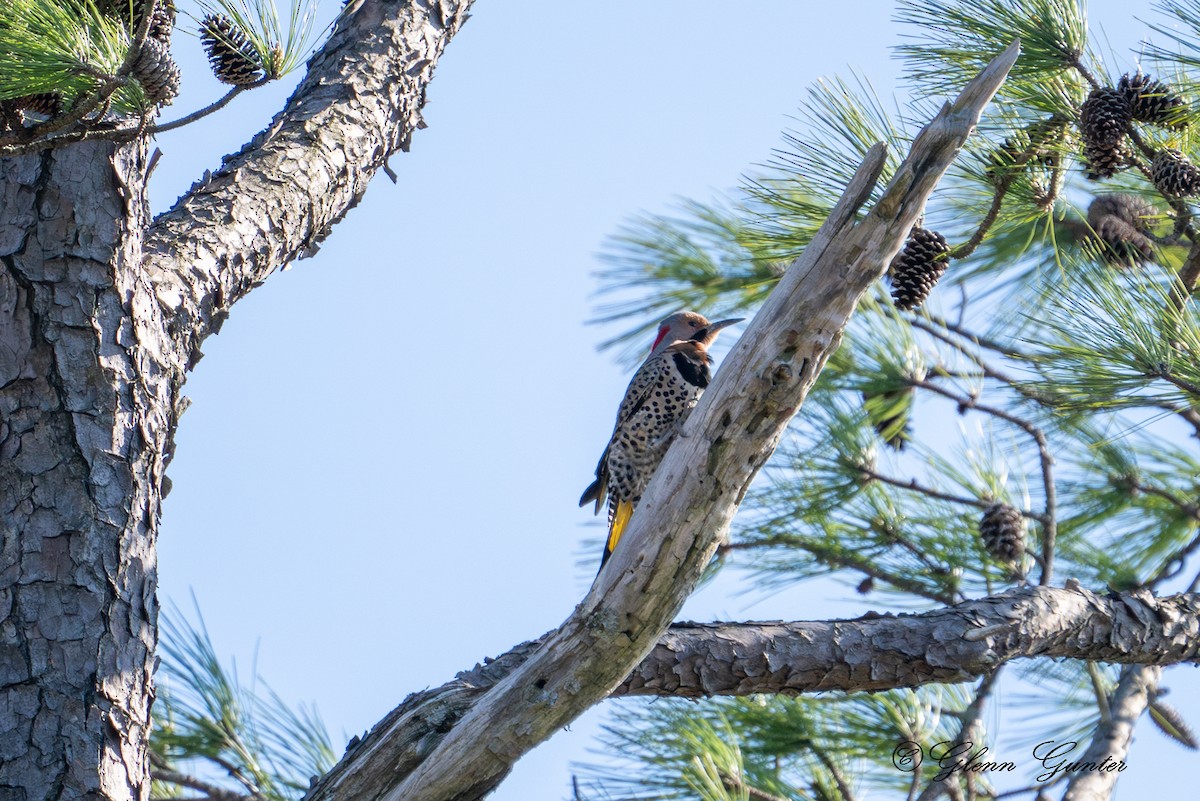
point(686, 510)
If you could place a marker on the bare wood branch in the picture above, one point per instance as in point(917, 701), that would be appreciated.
point(686, 510)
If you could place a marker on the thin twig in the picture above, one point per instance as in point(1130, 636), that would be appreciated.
point(838, 777)
point(209, 109)
point(1049, 520)
point(930, 326)
point(1189, 276)
point(915, 486)
point(120, 135)
point(849, 561)
point(984, 342)
point(1189, 509)
point(1002, 185)
point(1100, 693)
point(1176, 381)
point(1186, 413)
point(1085, 72)
point(213, 791)
point(737, 783)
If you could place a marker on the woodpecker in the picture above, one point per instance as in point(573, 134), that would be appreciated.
point(660, 396)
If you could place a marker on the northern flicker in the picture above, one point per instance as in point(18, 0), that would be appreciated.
point(658, 400)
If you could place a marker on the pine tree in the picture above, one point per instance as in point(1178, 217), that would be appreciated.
point(1076, 382)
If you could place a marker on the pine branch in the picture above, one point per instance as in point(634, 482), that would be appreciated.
point(1049, 517)
point(915, 486)
point(970, 730)
point(850, 560)
point(20, 140)
point(280, 196)
point(947, 645)
point(752, 793)
point(839, 778)
point(1189, 276)
point(1002, 348)
point(118, 135)
point(1011, 171)
point(209, 109)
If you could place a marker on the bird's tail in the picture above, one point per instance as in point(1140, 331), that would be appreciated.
point(621, 516)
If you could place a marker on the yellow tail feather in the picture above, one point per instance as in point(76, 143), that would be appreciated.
point(620, 520)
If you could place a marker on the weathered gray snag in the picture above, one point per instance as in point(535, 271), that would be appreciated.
point(687, 508)
point(101, 314)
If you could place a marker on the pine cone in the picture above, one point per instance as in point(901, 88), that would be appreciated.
point(1174, 175)
point(918, 267)
point(1152, 101)
point(162, 20)
point(1002, 530)
point(1104, 161)
point(1119, 224)
point(49, 104)
point(157, 72)
point(230, 54)
point(1104, 117)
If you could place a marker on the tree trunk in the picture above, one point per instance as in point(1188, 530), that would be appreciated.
point(86, 409)
point(101, 314)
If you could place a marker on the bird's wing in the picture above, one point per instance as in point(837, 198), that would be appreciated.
point(636, 394)
point(639, 389)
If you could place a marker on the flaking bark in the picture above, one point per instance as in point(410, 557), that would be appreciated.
point(955, 644)
point(86, 400)
point(101, 315)
point(278, 198)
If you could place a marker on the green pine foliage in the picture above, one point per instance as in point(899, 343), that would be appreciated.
point(62, 46)
point(280, 42)
point(1071, 381)
point(212, 731)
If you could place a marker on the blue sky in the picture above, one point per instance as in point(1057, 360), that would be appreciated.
point(376, 484)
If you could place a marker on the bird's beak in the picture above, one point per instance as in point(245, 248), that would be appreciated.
point(708, 334)
point(717, 326)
